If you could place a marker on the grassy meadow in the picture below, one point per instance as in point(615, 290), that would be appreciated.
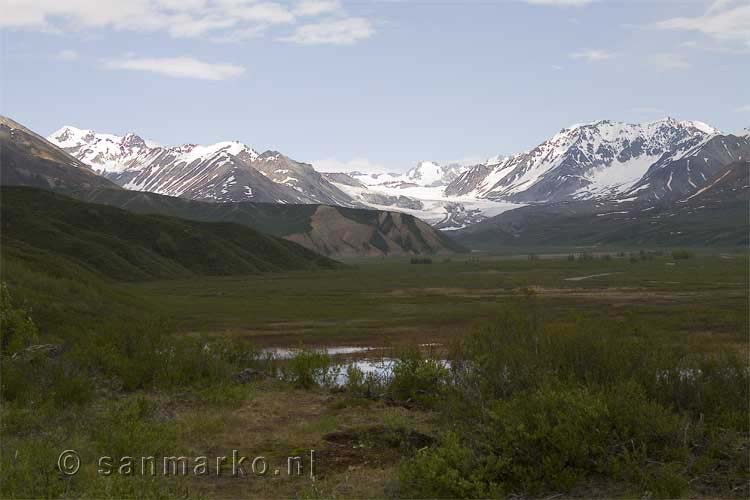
point(617, 375)
point(391, 301)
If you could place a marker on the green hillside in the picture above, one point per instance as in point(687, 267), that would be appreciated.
point(125, 246)
point(338, 231)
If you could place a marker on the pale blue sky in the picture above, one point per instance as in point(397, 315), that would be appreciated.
point(371, 83)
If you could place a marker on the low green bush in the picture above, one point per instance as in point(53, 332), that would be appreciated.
point(17, 330)
point(543, 410)
point(308, 369)
point(358, 384)
point(417, 379)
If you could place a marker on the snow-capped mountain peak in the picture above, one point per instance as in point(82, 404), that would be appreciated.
point(581, 161)
point(109, 153)
point(431, 174)
point(494, 160)
point(222, 172)
point(599, 160)
point(193, 152)
point(103, 152)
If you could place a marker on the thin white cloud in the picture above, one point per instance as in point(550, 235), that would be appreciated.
point(67, 55)
point(241, 35)
point(666, 61)
point(316, 7)
point(592, 55)
point(263, 12)
point(187, 26)
point(178, 67)
point(561, 3)
point(726, 21)
point(719, 5)
point(353, 165)
point(743, 109)
point(182, 5)
point(344, 31)
point(213, 19)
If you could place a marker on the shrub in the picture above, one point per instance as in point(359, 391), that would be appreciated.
point(550, 439)
point(449, 470)
point(547, 410)
point(417, 379)
point(28, 472)
point(309, 368)
point(133, 428)
point(54, 380)
point(17, 330)
point(363, 385)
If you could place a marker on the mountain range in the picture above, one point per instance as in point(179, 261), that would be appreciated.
point(27, 159)
point(600, 161)
point(605, 182)
point(714, 216)
point(221, 172)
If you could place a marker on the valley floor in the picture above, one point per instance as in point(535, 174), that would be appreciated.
point(697, 304)
point(377, 302)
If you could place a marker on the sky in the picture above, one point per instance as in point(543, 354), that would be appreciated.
point(371, 84)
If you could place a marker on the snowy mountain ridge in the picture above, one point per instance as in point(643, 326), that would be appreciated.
point(600, 160)
point(587, 160)
point(223, 172)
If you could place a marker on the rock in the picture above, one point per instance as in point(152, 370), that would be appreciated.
point(247, 375)
point(38, 351)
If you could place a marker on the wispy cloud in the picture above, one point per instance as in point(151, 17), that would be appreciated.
point(592, 55)
point(241, 35)
point(178, 67)
point(316, 7)
point(332, 32)
point(353, 165)
point(561, 3)
point(67, 55)
point(226, 20)
point(724, 20)
point(666, 61)
point(743, 109)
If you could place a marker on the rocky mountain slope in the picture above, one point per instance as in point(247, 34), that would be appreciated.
point(715, 215)
point(601, 161)
point(329, 230)
point(221, 172)
point(30, 160)
point(578, 171)
point(421, 191)
point(680, 173)
point(595, 160)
